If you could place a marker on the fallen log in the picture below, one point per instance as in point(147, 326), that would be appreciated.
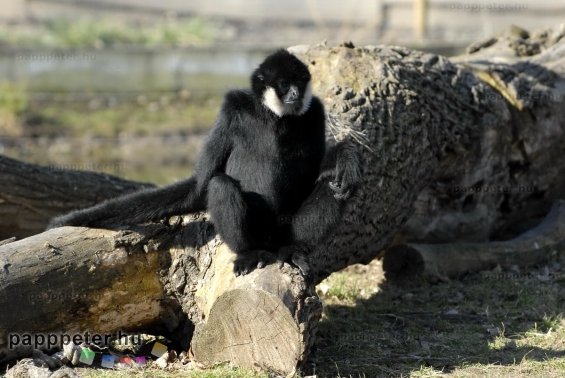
point(451, 260)
point(30, 195)
point(420, 123)
point(70, 281)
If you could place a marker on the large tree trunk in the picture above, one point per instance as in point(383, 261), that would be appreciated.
point(429, 131)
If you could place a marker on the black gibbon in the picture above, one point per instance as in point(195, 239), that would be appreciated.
point(259, 164)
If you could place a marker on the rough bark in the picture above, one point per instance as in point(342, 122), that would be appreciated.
point(510, 177)
point(78, 279)
point(30, 195)
point(426, 129)
point(435, 132)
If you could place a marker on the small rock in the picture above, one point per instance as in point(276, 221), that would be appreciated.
point(71, 352)
point(425, 345)
point(493, 331)
point(511, 345)
point(162, 361)
point(27, 368)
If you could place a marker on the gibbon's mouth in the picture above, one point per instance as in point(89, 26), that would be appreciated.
point(291, 102)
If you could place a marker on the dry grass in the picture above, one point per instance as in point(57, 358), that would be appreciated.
point(494, 324)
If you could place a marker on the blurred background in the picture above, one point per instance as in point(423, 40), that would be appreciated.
point(130, 87)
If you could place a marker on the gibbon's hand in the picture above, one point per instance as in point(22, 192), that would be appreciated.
point(347, 172)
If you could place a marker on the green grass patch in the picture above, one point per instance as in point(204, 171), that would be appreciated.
point(99, 33)
point(150, 118)
point(13, 104)
point(151, 139)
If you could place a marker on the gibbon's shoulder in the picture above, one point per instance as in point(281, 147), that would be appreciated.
point(239, 100)
point(316, 105)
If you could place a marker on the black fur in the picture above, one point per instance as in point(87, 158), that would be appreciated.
point(139, 207)
point(322, 210)
point(255, 168)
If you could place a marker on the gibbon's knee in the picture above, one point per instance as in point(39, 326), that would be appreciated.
point(228, 210)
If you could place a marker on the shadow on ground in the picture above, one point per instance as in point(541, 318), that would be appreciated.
point(374, 328)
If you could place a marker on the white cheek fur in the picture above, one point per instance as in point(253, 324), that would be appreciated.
point(274, 103)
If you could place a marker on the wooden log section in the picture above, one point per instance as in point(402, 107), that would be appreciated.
point(30, 195)
point(451, 260)
point(72, 280)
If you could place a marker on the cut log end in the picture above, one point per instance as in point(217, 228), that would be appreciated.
point(263, 320)
point(451, 260)
point(403, 261)
point(248, 326)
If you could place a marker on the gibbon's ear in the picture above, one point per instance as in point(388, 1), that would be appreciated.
point(257, 83)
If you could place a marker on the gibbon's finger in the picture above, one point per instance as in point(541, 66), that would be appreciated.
point(336, 187)
point(295, 254)
point(343, 195)
point(300, 260)
point(265, 258)
point(326, 174)
point(244, 264)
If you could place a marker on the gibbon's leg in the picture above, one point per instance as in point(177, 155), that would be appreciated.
point(243, 221)
point(318, 215)
point(315, 218)
point(139, 207)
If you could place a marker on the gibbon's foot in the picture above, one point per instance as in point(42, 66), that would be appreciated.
point(341, 192)
point(347, 171)
point(265, 258)
point(337, 182)
point(247, 262)
point(347, 179)
point(297, 255)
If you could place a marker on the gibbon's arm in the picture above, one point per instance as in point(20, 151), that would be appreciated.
point(216, 151)
point(138, 207)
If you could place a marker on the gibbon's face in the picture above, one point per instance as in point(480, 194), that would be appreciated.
point(282, 83)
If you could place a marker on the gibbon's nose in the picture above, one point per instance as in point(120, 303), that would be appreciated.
point(291, 96)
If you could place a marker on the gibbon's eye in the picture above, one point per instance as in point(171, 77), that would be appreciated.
point(283, 86)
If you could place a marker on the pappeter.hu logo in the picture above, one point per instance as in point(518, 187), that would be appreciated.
point(48, 341)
